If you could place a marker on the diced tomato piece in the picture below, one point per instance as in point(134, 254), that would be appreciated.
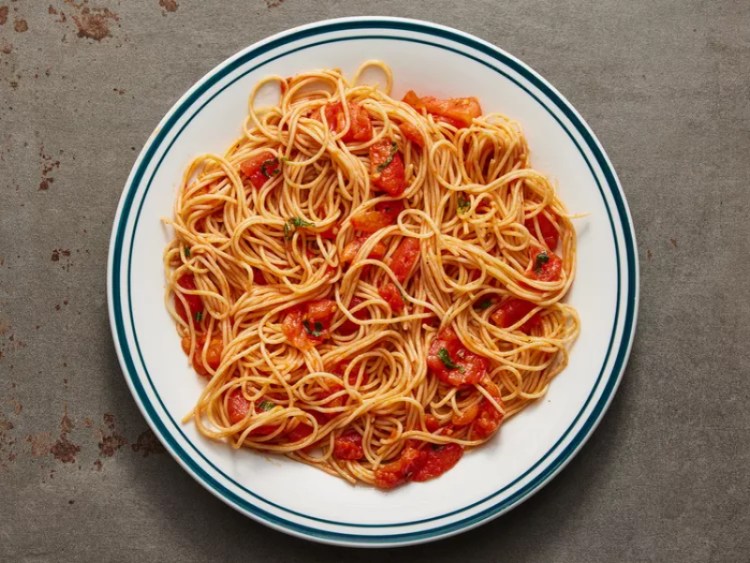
point(549, 233)
point(544, 265)
point(489, 418)
point(331, 232)
point(453, 363)
point(412, 133)
point(350, 327)
point(387, 168)
point(307, 325)
point(261, 168)
point(457, 111)
point(431, 423)
point(467, 416)
point(352, 248)
point(401, 470)
point(513, 310)
point(194, 302)
point(403, 259)
point(438, 460)
point(383, 215)
point(390, 293)
point(360, 126)
point(237, 406)
point(300, 432)
point(348, 446)
point(213, 353)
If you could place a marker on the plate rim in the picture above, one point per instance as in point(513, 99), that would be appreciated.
point(623, 346)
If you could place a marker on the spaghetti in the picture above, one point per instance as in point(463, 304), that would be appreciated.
point(369, 285)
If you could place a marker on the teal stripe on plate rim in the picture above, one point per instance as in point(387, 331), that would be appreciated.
point(551, 466)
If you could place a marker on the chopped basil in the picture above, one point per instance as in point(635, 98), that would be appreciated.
point(384, 165)
point(484, 304)
point(541, 259)
point(293, 224)
point(266, 406)
point(199, 316)
point(187, 251)
point(463, 204)
point(264, 168)
point(445, 357)
point(316, 329)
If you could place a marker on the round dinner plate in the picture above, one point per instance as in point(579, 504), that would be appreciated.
point(531, 447)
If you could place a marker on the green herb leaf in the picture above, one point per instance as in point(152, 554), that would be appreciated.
point(287, 231)
point(264, 168)
point(463, 205)
point(386, 164)
point(484, 304)
point(299, 222)
point(187, 251)
point(314, 331)
point(199, 316)
point(541, 259)
point(266, 406)
point(445, 357)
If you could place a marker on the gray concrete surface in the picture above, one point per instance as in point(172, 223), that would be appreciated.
point(665, 84)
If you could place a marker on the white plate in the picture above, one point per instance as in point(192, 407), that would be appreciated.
point(532, 447)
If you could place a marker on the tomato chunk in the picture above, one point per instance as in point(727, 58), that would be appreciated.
point(544, 265)
point(412, 133)
point(261, 168)
point(467, 416)
point(438, 460)
point(237, 406)
point(391, 294)
point(213, 353)
point(513, 310)
point(431, 422)
point(403, 259)
point(549, 233)
point(489, 418)
point(456, 111)
point(307, 325)
point(387, 168)
point(360, 126)
point(348, 446)
point(194, 302)
point(401, 470)
point(383, 215)
point(453, 363)
point(352, 248)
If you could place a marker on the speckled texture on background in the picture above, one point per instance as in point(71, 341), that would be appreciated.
point(666, 87)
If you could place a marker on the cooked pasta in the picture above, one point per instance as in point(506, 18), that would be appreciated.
point(369, 285)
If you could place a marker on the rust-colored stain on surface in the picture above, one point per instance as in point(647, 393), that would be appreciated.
point(58, 252)
point(48, 165)
point(147, 444)
point(92, 23)
point(274, 3)
point(112, 441)
point(3, 14)
point(169, 5)
point(40, 444)
point(20, 25)
point(64, 450)
point(674, 242)
point(6, 49)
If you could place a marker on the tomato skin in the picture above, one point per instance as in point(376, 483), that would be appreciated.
point(548, 271)
point(403, 259)
point(317, 311)
point(438, 460)
point(213, 353)
point(387, 168)
point(398, 472)
point(412, 134)
point(360, 126)
point(321, 310)
point(237, 406)
point(431, 423)
point(513, 310)
point(194, 302)
point(549, 233)
point(467, 416)
point(459, 112)
point(253, 168)
point(352, 248)
point(383, 215)
point(348, 446)
point(391, 295)
point(473, 365)
point(293, 329)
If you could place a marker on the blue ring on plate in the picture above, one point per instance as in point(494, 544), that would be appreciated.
point(452, 527)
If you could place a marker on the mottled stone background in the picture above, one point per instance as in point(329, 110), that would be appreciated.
point(665, 84)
